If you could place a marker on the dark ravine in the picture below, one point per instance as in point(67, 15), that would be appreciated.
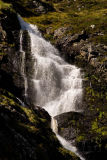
point(89, 130)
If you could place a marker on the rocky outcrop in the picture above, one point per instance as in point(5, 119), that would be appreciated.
point(12, 62)
point(76, 47)
point(69, 44)
point(87, 132)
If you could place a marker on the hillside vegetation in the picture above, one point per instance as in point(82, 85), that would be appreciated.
point(89, 15)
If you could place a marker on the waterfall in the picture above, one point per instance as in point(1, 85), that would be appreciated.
point(64, 142)
point(56, 85)
point(23, 71)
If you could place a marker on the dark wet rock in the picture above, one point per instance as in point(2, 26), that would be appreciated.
point(77, 49)
point(11, 66)
point(65, 128)
point(70, 45)
point(85, 132)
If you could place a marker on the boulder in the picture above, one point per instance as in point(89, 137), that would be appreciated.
point(82, 130)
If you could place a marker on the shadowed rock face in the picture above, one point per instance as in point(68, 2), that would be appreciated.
point(19, 129)
point(11, 59)
point(9, 46)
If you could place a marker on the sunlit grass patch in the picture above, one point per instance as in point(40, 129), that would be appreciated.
point(4, 5)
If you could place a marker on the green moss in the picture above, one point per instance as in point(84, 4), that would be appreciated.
point(2, 54)
point(67, 153)
point(101, 114)
point(30, 128)
point(80, 138)
point(67, 14)
point(10, 101)
point(95, 125)
point(43, 120)
point(4, 5)
point(30, 114)
point(7, 94)
point(6, 101)
point(102, 131)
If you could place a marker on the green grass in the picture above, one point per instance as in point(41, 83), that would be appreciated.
point(78, 15)
point(67, 14)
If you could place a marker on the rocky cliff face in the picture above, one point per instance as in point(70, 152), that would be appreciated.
point(78, 29)
point(9, 41)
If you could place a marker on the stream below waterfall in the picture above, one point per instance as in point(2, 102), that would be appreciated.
point(55, 85)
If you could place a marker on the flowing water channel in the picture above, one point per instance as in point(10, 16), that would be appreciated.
point(55, 85)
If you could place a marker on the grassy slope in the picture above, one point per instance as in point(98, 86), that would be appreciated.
point(78, 15)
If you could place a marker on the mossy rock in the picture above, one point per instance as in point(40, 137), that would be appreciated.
point(25, 133)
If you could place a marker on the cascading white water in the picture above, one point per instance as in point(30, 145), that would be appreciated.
point(23, 64)
point(57, 86)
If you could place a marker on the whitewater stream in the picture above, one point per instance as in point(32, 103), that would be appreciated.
point(55, 85)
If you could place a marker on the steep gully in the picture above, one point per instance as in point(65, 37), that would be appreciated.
point(53, 84)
